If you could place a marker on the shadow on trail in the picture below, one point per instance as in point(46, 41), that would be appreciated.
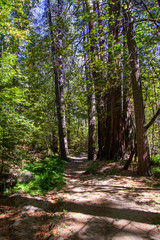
point(125, 221)
point(111, 212)
point(84, 208)
point(102, 229)
point(106, 208)
point(25, 226)
point(19, 201)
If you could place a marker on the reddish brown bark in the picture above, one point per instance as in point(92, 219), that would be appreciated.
point(141, 136)
point(134, 151)
point(114, 147)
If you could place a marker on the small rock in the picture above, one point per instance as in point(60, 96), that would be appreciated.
point(25, 177)
point(30, 208)
point(7, 180)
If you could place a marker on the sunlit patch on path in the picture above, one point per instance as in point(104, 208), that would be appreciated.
point(108, 207)
point(89, 207)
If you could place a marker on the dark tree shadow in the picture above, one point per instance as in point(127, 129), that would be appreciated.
point(101, 229)
point(111, 212)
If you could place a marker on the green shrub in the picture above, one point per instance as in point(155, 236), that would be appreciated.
point(48, 174)
point(156, 158)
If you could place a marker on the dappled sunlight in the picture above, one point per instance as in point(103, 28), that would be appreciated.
point(118, 207)
point(24, 223)
point(110, 209)
point(89, 207)
point(87, 227)
point(78, 159)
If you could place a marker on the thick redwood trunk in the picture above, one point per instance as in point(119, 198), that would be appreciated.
point(129, 129)
point(114, 147)
point(134, 150)
point(141, 136)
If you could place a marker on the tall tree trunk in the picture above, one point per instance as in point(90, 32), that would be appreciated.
point(68, 114)
point(90, 98)
point(58, 86)
point(129, 129)
point(61, 92)
point(114, 147)
point(61, 73)
point(91, 125)
point(99, 83)
point(141, 136)
point(91, 116)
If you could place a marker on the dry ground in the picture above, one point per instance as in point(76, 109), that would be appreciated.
point(115, 205)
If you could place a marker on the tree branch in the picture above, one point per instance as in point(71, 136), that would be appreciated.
point(145, 6)
point(153, 119)
point(133, 152)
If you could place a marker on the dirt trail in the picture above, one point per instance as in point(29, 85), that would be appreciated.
point(106, 207)
point(109, 207)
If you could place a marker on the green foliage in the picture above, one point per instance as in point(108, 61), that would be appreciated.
point(15, 130)
point(27, 92)
point(47, 175)
point(156, 165)
point(156, 159)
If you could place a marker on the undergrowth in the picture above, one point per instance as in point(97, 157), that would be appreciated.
point(48, 174)
point(156, 165)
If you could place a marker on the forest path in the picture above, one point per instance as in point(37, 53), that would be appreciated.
point(112, 206)
point(107, 207)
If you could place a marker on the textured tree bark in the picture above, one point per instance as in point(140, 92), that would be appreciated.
point(68, 115)
point(61, 75)
point(115, 145)
point(141, 136)
point(61, 92)
point(134, 150)
point(54, 141)
point(91, 100)
point(129, 129)
point(99, 84)
point(127, 117)
point(58, 86)
point(91, 125)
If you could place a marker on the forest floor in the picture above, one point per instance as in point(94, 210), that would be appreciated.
point(113, 204)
